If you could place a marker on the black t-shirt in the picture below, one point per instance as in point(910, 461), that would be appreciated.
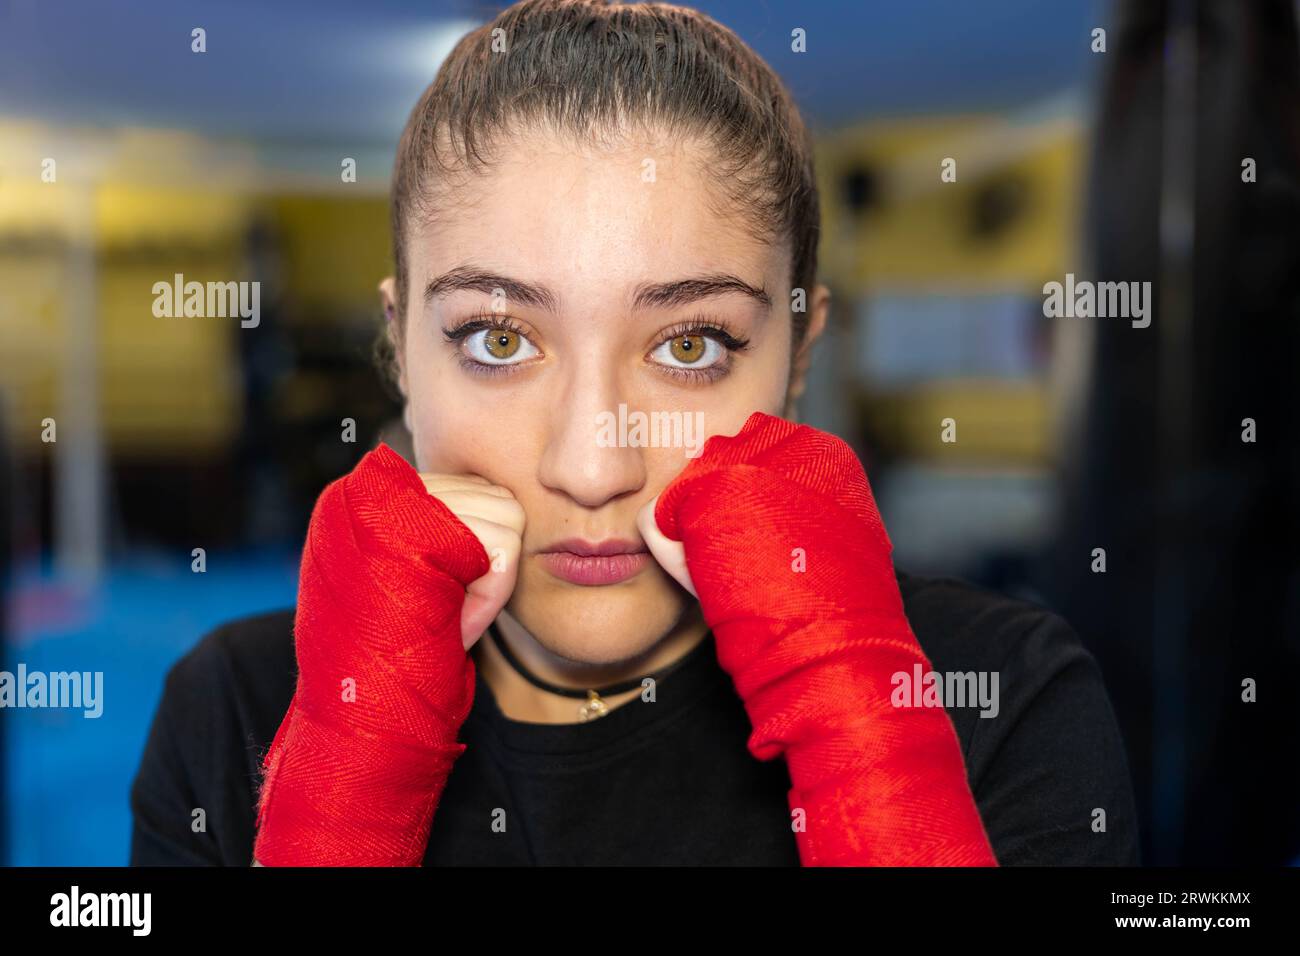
point(668, 781)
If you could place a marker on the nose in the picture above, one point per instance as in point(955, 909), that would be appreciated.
point(580, 461)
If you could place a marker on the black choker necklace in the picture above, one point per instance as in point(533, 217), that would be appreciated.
point(593, 706)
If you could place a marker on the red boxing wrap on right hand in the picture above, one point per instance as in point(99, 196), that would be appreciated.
point(792, 565)
point(359, 762)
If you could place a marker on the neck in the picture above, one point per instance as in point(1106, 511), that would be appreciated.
point(519, 699)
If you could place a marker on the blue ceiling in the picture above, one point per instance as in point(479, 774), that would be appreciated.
point(328, 72)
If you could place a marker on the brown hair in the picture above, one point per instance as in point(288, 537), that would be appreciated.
point(585, 66)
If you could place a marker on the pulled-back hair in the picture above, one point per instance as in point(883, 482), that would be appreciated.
point(595, 69)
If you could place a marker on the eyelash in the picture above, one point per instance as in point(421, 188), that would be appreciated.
point(710, 328)
point(698, 325)
point(482, 322)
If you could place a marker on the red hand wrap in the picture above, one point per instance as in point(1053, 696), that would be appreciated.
point(812, 652)
point(355, 782)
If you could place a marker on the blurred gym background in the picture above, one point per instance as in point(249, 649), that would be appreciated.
point(1122, 164)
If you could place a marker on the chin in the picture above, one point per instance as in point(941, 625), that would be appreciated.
point(598, 625)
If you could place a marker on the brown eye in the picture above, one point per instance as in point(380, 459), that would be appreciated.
point(498, 345)
point(501, 343)
point(687, 348)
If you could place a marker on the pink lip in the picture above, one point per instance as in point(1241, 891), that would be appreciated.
point(595, 564)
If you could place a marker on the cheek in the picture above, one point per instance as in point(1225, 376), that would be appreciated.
point(455, 431)
point(761, 387)
point(456, 436)
point(778, 365)
point(770, 395)
point(441, 419)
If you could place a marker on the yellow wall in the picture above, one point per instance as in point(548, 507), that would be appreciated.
point(917, 238)
point(919, 234)
point(168, 385)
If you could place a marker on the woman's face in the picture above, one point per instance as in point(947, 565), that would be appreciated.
point(579, 289)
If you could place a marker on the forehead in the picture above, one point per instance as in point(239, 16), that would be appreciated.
point(589, 218)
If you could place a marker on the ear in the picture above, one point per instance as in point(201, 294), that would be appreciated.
point(819, 308)
point(393, 329)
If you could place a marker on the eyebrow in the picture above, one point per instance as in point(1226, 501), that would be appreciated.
point(647, 295)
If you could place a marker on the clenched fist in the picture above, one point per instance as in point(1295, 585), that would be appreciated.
point(497, 520)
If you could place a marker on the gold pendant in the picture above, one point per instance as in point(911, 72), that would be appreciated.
point(593, 708)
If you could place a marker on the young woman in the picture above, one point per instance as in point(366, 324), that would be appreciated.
point(558, 637)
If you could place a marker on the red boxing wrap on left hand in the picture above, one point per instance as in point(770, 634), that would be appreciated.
point(355, 772)
point(793, 569)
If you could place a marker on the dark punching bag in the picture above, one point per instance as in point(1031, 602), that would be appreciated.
point(1197, 615)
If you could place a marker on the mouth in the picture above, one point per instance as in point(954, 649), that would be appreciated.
point(595, 564)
